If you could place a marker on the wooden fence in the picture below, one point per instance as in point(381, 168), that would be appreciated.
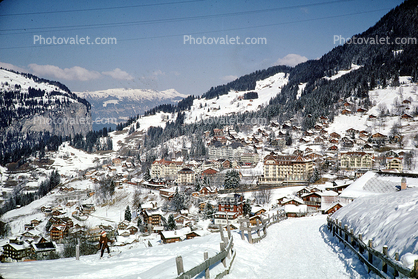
point(378, 262)
point(225, 253)
point(260, 226)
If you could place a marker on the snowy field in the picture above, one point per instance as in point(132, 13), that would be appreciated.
point(138, 262)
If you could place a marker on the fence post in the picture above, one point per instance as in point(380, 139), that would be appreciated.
point(395, 271)
point(360, 247)
point(222, 245)
point(384, 264)
point(346, 232)
point(242, 230)
point(415, 268)
point(258, 230)
point(370, 254)
point(221, 230)
point(230, 250)
point(179, 264)
point(77, 250)
point(227, 226)
point(205, 257)
point(250, 236)
point(265, 229)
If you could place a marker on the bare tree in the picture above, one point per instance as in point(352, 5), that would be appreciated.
point(262, 196)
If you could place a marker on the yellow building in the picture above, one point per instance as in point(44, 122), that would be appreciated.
point(356, 160)
point(394, 163)
point(289, 168)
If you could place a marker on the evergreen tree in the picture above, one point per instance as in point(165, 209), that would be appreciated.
point(247, 208)
point(208, 211)
point(128, 216)
point(147, 176)
point(198, 184)
point(141, 225)
point(288, 139)
point(315, 176)
point(171, 223)
point(177, 202)
point(112, 188)
point(232, 180)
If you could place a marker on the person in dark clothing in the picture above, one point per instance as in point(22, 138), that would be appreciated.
point(103, 243)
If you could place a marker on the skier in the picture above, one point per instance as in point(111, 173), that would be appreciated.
point(103, 243)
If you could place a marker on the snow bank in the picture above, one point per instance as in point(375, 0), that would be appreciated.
point(388, 219)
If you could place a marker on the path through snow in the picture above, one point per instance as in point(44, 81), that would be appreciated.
point(295, 248)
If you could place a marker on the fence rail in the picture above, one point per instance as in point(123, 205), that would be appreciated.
point(260, 226)
point(225, 252)
point(356, 244)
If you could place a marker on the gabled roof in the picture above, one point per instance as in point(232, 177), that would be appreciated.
point(371, 183)
point(332, 205)
point(209, 171)
point(292, 198)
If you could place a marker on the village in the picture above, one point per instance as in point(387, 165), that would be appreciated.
point(275, 168)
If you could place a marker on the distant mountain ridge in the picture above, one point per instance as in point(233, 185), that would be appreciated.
point(118, 104)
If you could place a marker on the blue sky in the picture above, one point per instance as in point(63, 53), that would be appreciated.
point(150, 52)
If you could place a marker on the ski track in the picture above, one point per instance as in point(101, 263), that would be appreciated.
point(295, 248)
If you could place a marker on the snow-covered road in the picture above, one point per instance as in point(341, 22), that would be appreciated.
point(295, 248)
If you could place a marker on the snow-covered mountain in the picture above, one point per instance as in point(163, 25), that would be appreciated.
point(116, 105)
point(33, 108)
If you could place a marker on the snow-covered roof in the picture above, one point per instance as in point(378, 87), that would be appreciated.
point(293, 198)
point(177, 233)
point(371, 183)
point(389, 219)
point(291, 208)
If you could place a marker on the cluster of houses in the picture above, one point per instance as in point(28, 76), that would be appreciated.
point(350, 151)
point(257, 159)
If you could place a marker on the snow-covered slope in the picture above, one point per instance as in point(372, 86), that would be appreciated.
point(9, 80)
point(225, 105)
point(138, 262)
point(31, 107)
point(388, 100)
point(343, 72)
point(233, 102)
